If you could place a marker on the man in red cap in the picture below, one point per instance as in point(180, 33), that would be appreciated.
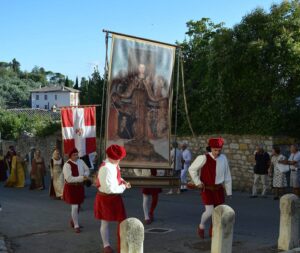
point(210, 173)
point(75, 173)
point(109, 205)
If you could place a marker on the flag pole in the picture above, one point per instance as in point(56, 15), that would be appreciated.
point(103, 92)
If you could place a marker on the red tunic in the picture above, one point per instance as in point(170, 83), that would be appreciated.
point(152, 191)
point(109, 207)
point(208, 178)
point(73, 192)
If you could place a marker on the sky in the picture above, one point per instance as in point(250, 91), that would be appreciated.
point(66, 35)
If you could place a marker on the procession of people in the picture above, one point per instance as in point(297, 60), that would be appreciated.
point(209, 174)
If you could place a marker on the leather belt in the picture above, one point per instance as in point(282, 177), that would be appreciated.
point(213, 187)
point(106, 194)
point(76, 184)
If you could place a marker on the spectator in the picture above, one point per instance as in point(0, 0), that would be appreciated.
point(261, 168)
point(176, 164)
point(294, 163)
point(279, 178)
point(186, 162)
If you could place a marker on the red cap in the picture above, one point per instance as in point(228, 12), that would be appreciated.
point(216, 142)
point(116, 152)
point(73, 151)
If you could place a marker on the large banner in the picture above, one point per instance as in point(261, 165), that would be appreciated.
point(139, 101)
point(79, 129)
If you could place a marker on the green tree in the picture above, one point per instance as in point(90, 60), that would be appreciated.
point(15, 65)
point(76, 86)
point(244, 79)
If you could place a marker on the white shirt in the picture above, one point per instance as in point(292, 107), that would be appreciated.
point(295, 157)
point(92, 159)
point(83, 170)
point(223, 174)
point(178, 165)
point(187, 157)
point(107, 176)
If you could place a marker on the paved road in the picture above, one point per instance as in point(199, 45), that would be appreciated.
point(35, 223)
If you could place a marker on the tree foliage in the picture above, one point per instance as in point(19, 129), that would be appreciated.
point(244, 79)
point(91, 91)
point(12, 125)
point(15, 85)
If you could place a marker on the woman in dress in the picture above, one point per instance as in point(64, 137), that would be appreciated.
point(38, 171)
point(3, 167)
point(57, 177)
point(17, 175)
point(279, 178)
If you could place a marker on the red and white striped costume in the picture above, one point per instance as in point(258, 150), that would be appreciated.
point(108, 203)
point(74, 173)
point(213, 173)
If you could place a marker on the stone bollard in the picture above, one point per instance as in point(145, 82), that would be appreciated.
point(289, 222)
point(223, 221)
point(132, 236)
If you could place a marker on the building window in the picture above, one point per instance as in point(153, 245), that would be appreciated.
point(46, 106)
point(45, 97)
point(37, 106)
point(37, 97)
point(55, 97)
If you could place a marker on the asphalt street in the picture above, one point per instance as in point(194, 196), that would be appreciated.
point(32, 222)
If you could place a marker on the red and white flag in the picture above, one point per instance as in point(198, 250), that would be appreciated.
point(79, 129)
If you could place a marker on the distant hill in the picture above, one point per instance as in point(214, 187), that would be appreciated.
point(16, 84)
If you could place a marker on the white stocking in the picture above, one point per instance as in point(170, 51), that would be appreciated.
point(104, 231)
point(74, 214)
point(146, 200)
point(206, 215)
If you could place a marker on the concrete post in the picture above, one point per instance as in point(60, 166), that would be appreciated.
point(132, 236)
point(289, 222)
point(223, 222)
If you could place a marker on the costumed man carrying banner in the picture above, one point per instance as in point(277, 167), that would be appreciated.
point(109, 205)
point(210, 173)
point(75, 173)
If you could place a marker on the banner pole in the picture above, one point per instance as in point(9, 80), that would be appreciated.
point(103, 92)
point(140, 38)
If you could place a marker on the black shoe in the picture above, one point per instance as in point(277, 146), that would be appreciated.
point(253, 196)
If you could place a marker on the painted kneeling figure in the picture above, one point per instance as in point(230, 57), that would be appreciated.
point(109, 205)
point(210, 173)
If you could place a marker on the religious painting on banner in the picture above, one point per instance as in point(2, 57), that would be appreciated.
point(79, 129)
point(139, 101)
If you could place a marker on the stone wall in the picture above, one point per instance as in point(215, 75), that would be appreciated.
point(45, 144)
point(239, 150)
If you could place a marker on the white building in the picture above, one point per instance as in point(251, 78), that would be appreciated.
point(47, 97)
